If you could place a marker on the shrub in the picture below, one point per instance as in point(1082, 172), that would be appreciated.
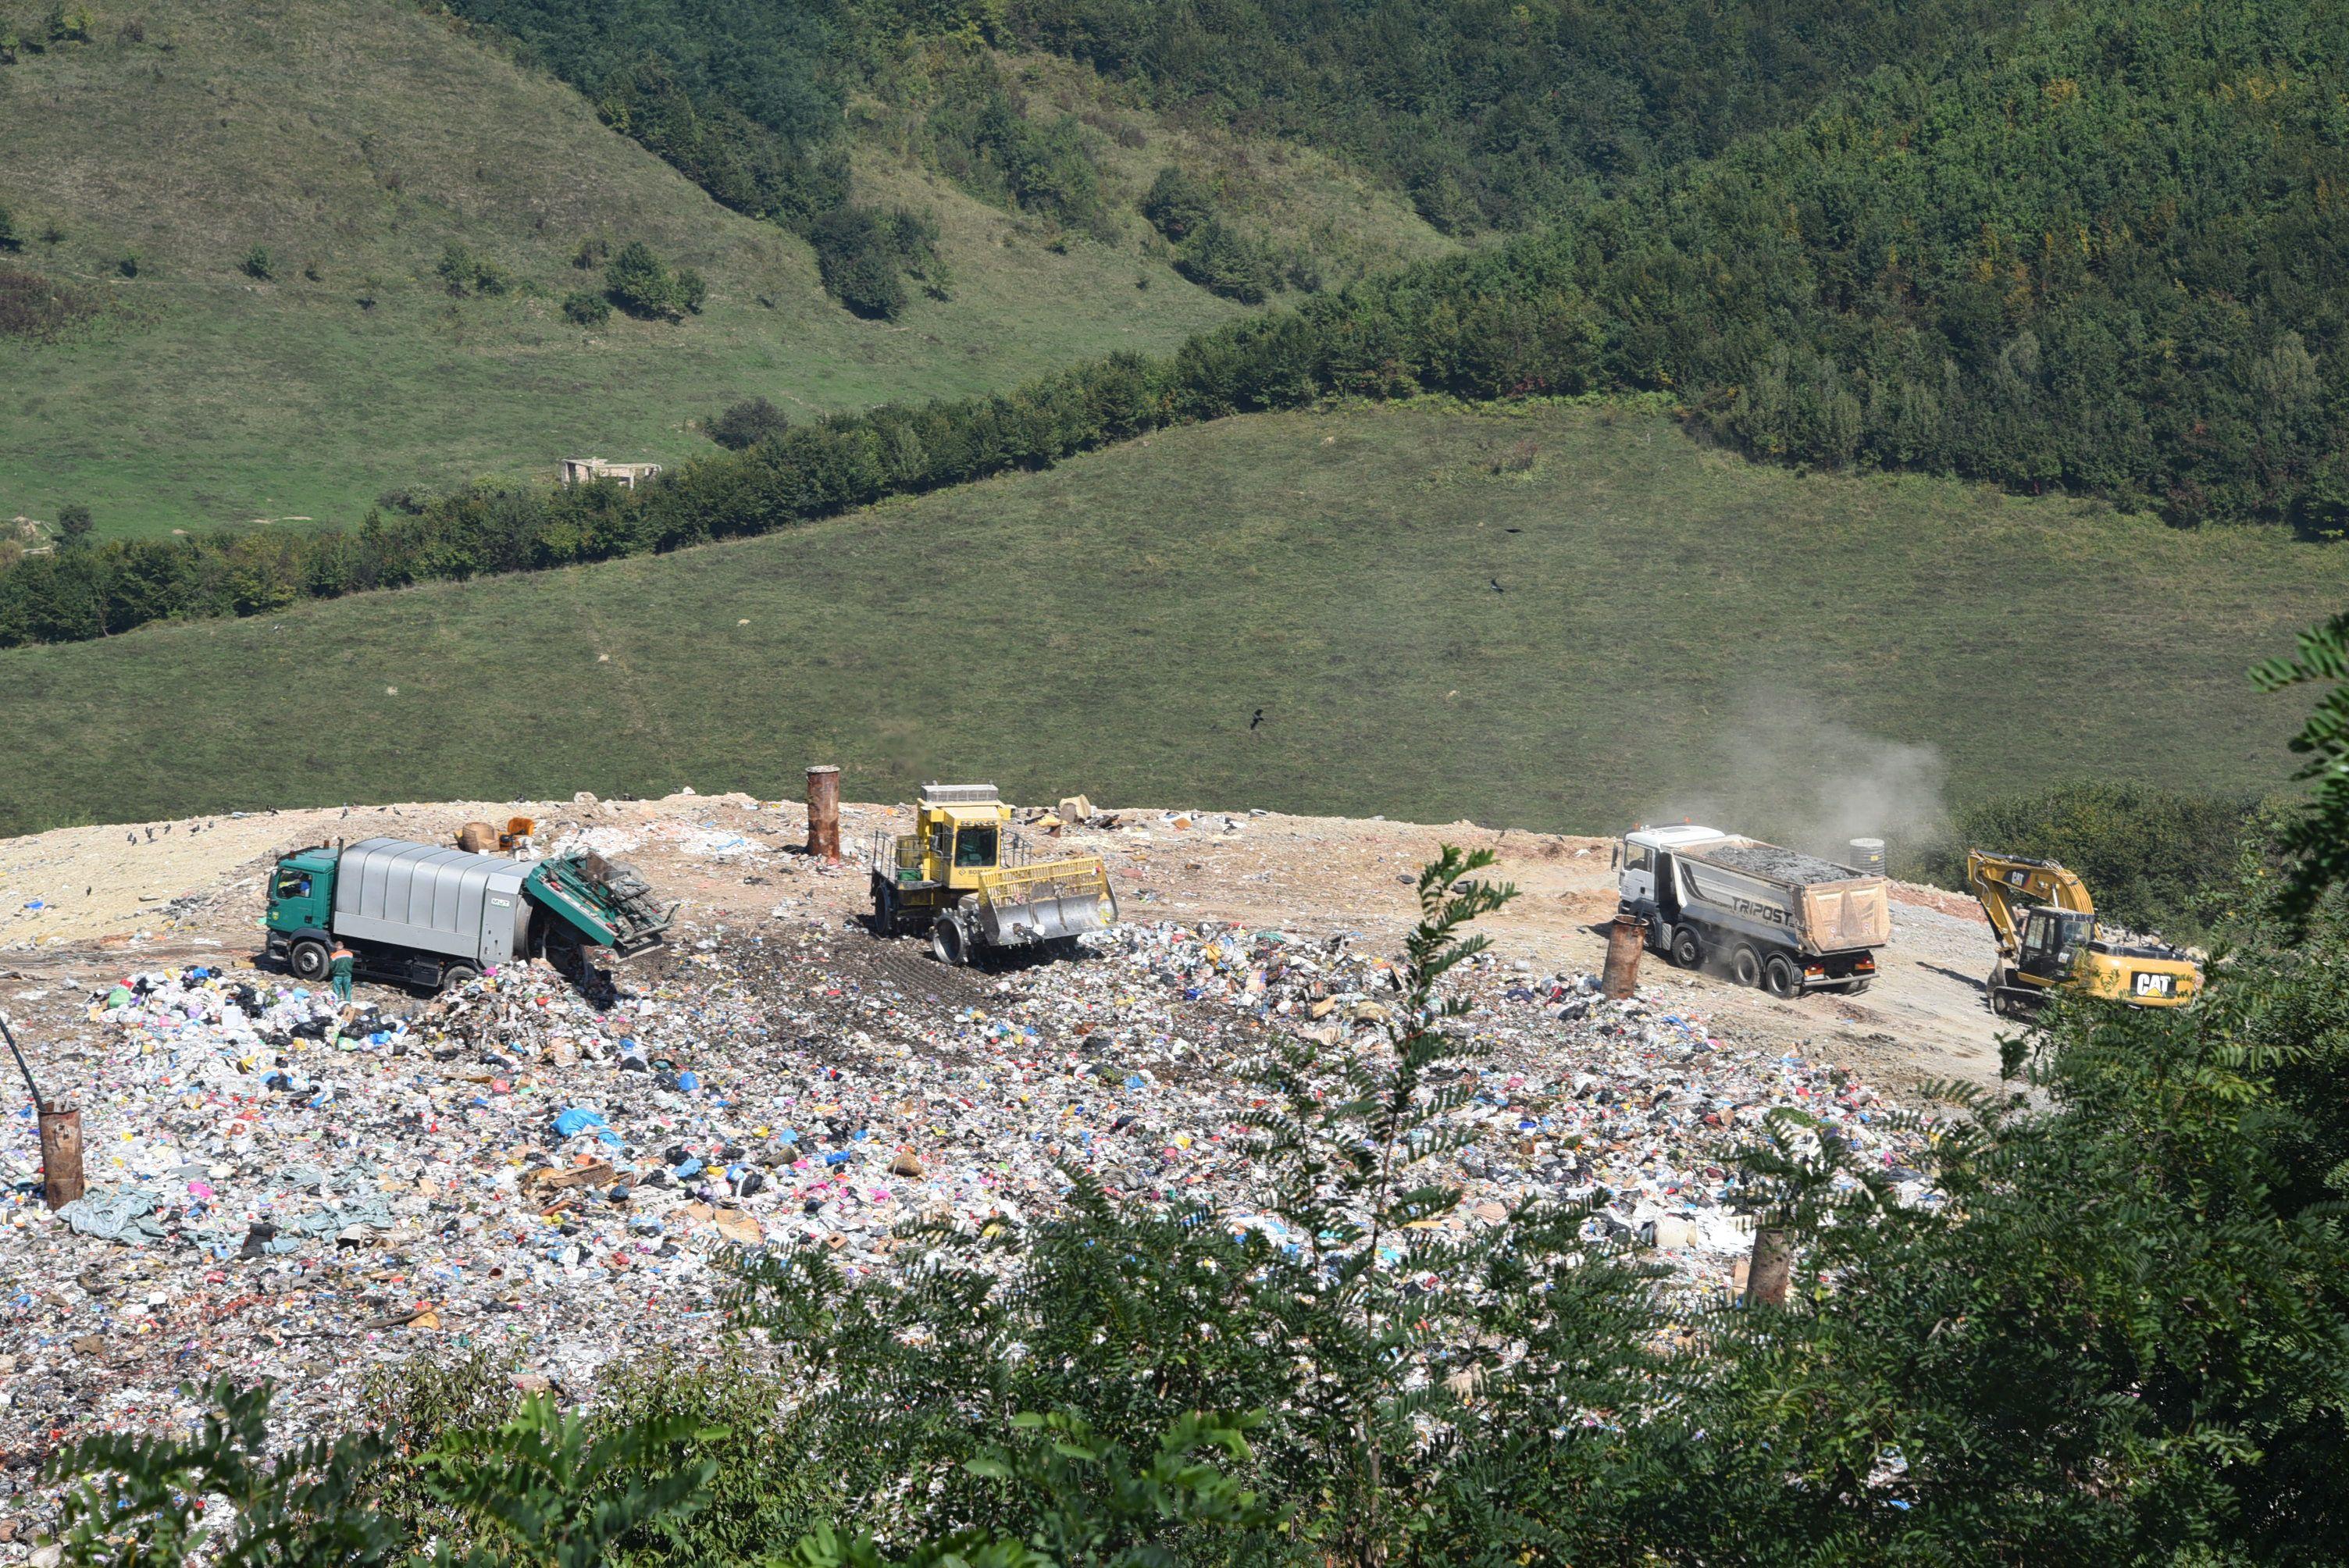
point(588, 309)
point(1177, 204)
point(1222, 261)
point(639, 282)
point(75, 524)
point(864, 255)
point(10, 239)
point(746, 423)
point(259, 263)
point(69, 23)
point(465, 270)
point(128, 265)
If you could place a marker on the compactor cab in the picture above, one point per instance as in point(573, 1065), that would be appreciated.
point(964, 876)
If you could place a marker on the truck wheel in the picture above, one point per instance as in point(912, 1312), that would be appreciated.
point(1780, 978)
point(455, 974)
point(1858, 988)
point(948, 943)
point(309, 960)
point(1745, 965)
point(1688, 950)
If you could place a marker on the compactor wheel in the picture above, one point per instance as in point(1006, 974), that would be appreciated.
point(885, 916)
point(950, 944)
point(309, 960)
point(1745, 965)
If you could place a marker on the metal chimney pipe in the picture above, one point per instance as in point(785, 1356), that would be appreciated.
point(61, 1181)
point(1771, 1269)
point(824, 811)
point(1624, 940)
point(61, 1177)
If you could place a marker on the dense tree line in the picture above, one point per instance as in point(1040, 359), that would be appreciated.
point(2156, 860)
point(1487, 114)
point(1494, 113)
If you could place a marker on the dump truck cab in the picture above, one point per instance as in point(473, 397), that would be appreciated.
point(965, 877)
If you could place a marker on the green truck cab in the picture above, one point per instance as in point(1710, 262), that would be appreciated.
point(302, 891)
point(424, 915)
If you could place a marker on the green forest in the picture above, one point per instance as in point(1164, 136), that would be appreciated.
point(2101, 253)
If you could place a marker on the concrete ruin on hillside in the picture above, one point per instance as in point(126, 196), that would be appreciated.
point(587, 470)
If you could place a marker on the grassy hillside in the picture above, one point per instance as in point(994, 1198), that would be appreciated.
point(355, 139)
point(1671, 626)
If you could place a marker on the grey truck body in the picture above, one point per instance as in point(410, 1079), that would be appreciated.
point(1714, 897)
point(433, 900)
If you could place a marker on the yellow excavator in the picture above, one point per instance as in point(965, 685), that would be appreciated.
point(964, 877)
point(2049, 941)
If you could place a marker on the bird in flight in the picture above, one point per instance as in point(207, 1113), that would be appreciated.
point(1257, 719)
point(1496, 585)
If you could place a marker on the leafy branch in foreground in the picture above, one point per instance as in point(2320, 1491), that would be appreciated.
point(539, 1488)
point(2319, 837)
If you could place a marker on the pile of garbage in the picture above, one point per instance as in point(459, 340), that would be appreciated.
point(280, 1187)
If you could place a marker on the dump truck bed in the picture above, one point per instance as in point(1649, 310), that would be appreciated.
point(1818, 905)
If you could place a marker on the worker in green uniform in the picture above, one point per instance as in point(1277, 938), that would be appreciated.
point(339, 967)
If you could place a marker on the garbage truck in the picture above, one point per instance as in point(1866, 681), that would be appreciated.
point(1785, 921)
point(965, 878)
point(427, 916)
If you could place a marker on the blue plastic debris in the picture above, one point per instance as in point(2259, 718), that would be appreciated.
point(576, 1120)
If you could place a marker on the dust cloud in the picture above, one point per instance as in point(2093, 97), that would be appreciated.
point(1790, 773)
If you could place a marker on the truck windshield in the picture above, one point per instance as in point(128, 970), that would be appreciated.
point(293, 884)
point(975, 847)
point(1639, 858)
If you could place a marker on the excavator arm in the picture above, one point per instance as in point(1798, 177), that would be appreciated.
point(2008, 884)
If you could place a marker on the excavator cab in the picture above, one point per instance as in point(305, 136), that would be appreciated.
point(2053, 941)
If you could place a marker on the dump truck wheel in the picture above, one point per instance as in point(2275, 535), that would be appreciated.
point(1745, 965)
point(456, 974)
point(1779, 978)
point(1860, 988)
point(1688, 950)
point(309, 960)
point(948, 944)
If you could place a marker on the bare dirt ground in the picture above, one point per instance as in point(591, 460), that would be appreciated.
point(87, 901)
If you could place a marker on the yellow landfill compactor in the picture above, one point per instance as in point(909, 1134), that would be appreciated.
point(967, 879)
point(2049, 941)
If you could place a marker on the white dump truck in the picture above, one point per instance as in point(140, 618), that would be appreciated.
point(1785, 921)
